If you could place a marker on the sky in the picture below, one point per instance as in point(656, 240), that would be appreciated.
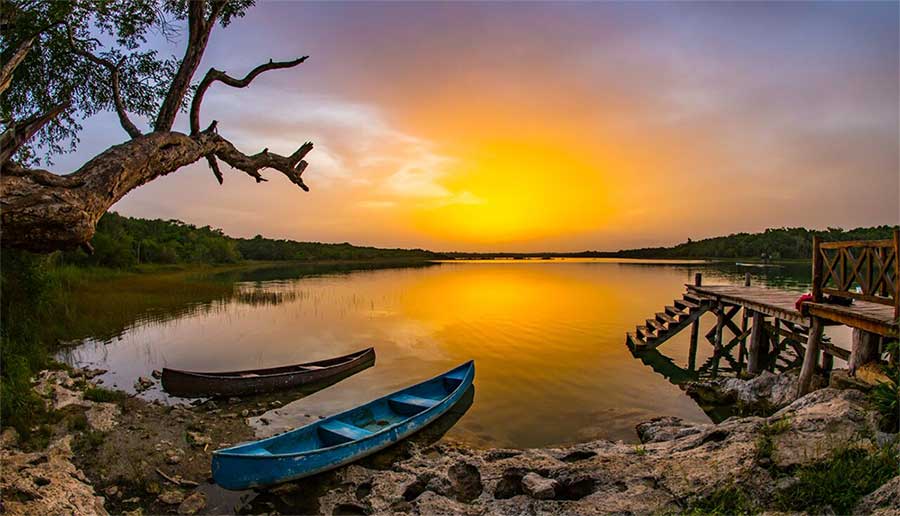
point(546, 126)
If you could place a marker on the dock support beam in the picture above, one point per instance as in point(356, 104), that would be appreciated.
point(865, 348)
point(695, 329)
point(811, 358)
point(758, 344)
point(720, 324)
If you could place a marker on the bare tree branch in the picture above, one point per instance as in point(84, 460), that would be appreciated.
point(199, 29)
point(18, 133)
point(214, 75)
point(113, 68)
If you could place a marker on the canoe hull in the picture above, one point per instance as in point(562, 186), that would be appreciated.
point(187, 384)
point(238, 472)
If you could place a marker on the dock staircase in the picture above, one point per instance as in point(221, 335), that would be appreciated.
point(668, 323)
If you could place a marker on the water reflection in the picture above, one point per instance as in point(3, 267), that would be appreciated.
point(547, 336)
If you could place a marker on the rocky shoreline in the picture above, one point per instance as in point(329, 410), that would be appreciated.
point(130, 456)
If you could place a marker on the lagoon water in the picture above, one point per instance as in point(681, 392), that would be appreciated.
point(548, 338)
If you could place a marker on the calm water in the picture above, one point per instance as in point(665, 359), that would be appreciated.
point(548, 338)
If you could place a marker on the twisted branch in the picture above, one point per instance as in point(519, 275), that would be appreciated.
point(113, 68)
point(214, 75)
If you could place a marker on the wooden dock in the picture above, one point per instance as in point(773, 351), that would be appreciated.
point(860, 279)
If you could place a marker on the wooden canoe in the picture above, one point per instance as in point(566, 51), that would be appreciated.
point(193, 384)
point(343, 438)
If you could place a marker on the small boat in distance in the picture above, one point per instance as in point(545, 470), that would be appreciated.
point(193, 384)
point(343, 438)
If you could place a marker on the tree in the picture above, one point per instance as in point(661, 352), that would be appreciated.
point(55, 72)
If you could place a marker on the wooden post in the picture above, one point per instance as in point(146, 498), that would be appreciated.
point(746, 279)
point(811, 358)
point(757, 344)
point(695, 329)
point(742, 345)
point(817, 270)
point(692, 352)
point(865, 348)
point(896, 273)
point(720, 324)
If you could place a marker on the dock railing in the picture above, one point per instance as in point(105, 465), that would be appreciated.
point(868, 270)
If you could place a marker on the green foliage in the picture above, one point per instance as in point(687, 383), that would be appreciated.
point(886, 398)
point(102, 395)
point(124, 242)
point(773, 243)
point(53, 71)
point(259, 248)
point(26, 295)
point(839, 482)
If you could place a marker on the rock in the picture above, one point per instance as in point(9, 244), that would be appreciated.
point(102, 416)
point(9, 438)
point(510, 484)
point(820, 423)
point(173, 457)
point(841, 379)
point(660, 429)
point(90, 374)
point(197, 439)
point(275, 403)
point(233, 400)
point(764, 393)
point(156, 374)
point(883, 501)
point(465, 480)
point(111, 491)
point(245, 413)
point(786, 483)
point(171, 497)
point(142, 384)
point(46, 483)
point(538, 487)
point(193, 504)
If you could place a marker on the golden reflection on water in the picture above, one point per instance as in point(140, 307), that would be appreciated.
point(547, 338)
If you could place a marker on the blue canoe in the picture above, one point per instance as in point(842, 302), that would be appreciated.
point(342, 438)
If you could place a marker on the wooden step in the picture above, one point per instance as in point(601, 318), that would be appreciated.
point(674, 312)
point(686, 304)
point(666, 318)
point(645, 333)
point(634, 342)
point(693, 298)
point(653, 323)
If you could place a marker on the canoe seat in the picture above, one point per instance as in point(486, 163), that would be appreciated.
point(336, 432)
point(408, 405)
point(257, 451)
point(452, 380)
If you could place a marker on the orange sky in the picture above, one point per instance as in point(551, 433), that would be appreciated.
point(548, 126)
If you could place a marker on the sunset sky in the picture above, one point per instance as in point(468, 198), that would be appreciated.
point(564, 126)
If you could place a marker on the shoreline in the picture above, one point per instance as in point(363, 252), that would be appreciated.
point(134, 455)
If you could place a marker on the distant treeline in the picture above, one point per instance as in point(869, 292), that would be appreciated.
point(772, 244)
point(123, 242)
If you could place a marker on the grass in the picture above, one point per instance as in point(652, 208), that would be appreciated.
point(839, 482)
point(99, 394)
point(728, 501)
point(765, 442)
